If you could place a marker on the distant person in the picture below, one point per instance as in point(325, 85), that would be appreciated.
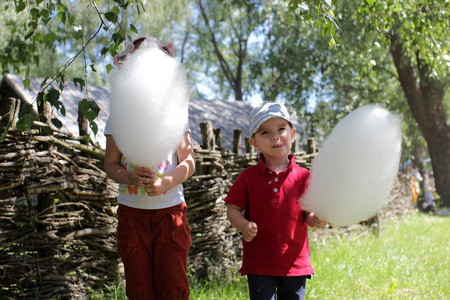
point(263, 206)
point(153, 236)
point(426, 203)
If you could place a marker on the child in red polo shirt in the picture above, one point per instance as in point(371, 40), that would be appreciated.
point(274, 226)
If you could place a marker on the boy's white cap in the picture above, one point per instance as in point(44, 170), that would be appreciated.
point(266, 111)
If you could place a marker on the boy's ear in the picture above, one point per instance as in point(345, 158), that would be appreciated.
point(252, 141)
point(293, 131)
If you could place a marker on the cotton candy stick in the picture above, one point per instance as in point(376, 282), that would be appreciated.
point(149, 105)
point(352, 176)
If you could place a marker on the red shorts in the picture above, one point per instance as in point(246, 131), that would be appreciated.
point(154, 245)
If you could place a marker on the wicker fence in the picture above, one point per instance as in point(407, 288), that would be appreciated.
point(58, 212)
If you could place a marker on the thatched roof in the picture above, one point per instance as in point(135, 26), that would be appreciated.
point(226, 115)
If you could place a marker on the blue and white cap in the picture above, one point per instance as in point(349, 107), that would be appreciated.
point(266, 111)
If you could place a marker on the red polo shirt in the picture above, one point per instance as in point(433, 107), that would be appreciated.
point(270, 200)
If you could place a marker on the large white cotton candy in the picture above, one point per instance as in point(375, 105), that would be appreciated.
point(149, 105)
point(352, 176)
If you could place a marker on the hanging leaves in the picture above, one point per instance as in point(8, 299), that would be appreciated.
point(53, 23)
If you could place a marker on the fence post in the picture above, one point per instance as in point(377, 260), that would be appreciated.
point(13, 108)
point(82, 127)
point(237, 133)
point(311, 145)
point(248, 147)
point(217, 137)
point(294, 147)
point(207, 135)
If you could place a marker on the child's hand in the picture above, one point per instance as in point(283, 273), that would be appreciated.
point(141, 176)
point(156, 186)
point(250, 231)
point(313, 221)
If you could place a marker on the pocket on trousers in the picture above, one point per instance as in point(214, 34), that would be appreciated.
point(180, 235)
point(125, 237)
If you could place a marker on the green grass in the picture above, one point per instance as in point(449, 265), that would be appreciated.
point(409, 260)
point(234, 287)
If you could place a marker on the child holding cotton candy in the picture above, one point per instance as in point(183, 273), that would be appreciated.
point(153, 236)
point(274, 226)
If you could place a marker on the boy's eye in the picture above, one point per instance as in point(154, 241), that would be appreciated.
point(263, 132)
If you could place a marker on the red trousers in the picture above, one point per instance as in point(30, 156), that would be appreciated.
point(154, 245)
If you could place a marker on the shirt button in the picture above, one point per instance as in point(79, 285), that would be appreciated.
point(275, 190)
point(276, 179)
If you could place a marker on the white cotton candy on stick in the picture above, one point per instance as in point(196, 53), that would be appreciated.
point(149, 105)
point(352, 176)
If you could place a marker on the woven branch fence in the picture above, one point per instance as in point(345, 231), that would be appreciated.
point(58, 212)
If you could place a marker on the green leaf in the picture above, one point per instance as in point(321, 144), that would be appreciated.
point(93, 105)
point(90, 115)
point(45, 13)
point(38, 36)
point(29, 119)
point(27, 109)
point(20, 5)
point(46, 20)
point(21, 125)
point(89, 108)
point(79, 81)
point(62, 17)
point(52, 97)
point(36, 60)
point(35, 13)
point(117, 38)
point(381, 5)
point(78, 35)
point(51, 38)
point(29, 34)
point(6, 130)
point(58, 124)
point(134, 29)
point(104, 50)
point(109, 68)
point(94, 127)
point(26, 82)
point(83, 106)
point(47, 129)
point(115, 10)
point(112, 17)
point(71, 20)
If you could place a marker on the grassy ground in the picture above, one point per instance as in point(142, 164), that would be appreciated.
point(409, 260)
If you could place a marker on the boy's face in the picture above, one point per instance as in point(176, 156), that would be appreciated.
point(274, 138)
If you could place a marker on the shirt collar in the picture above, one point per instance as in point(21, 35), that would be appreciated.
point(291, 165)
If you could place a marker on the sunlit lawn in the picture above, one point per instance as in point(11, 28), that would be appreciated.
point(409, 260)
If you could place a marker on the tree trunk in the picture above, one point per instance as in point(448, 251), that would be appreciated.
point(425, 99)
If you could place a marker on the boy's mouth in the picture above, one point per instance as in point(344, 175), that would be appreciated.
point(279, 144)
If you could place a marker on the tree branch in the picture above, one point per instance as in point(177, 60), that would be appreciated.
point(223, 64)
point(71, 60)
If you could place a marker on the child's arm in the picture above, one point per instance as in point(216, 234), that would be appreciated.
point(237, 219)
point(184, 169)
point(313, 221)
point(138, 176)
